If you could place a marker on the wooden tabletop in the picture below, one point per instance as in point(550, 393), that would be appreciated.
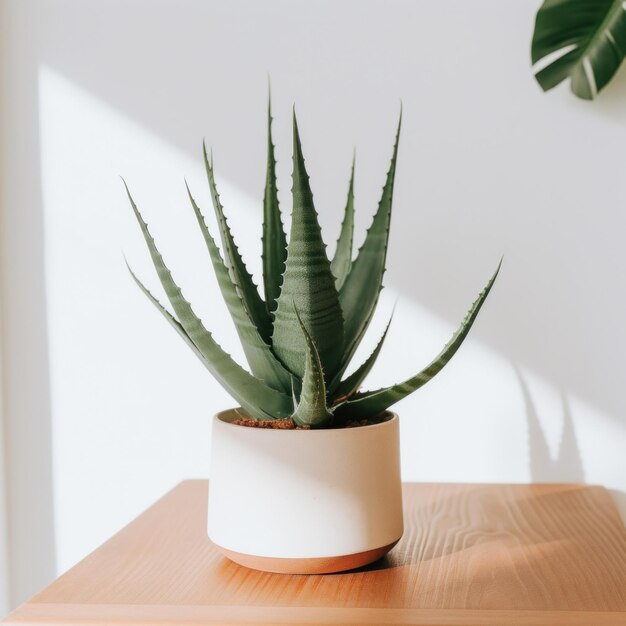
point(471, 554)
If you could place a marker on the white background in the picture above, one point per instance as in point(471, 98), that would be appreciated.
point(105, 409)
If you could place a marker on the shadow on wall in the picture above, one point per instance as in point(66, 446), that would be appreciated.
point(610, 102)
point(567, 465)
point(24, 333)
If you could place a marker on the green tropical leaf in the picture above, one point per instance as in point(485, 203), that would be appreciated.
point(274, 240)
point(372, 403)
point(308, 283)
point(259, 400)
point(311, 408)
point(591, 37)
point(342, 260)
point(348, 387)
point(236, 267)
point(263, 363)
point(360, 291)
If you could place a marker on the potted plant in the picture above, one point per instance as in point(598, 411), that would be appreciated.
point(305, 474)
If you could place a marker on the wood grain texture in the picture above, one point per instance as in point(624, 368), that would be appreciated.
point(471, 554)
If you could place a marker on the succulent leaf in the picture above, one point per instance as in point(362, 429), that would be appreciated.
point(311, 409)
point(349, 386)
point(263, 363)
point(261, 401)
point(308, 284)
point(169, 317)
point(274, 240)
point(236, 267)
point(360, 291)
point(374, 402)
point(342, 260)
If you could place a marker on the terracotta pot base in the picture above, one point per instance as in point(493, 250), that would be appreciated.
point(320, 565)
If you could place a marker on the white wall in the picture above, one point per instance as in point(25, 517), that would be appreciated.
point(106, 409)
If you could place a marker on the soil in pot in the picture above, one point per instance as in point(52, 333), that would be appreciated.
point(289, 424)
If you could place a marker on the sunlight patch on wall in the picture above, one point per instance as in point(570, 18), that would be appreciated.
point(131, 405)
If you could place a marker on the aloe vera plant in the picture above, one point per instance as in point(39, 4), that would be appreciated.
point(300, 338)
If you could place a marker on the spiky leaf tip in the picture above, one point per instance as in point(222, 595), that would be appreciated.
point(308, 283)
point(274, 239)
point(237, 269)
point(372, 403)
point(311, 409)
point(342, 259)
point(360, 291)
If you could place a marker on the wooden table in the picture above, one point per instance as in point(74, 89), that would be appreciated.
point(471, 554)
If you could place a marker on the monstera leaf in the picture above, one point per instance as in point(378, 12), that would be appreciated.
point(587, 39)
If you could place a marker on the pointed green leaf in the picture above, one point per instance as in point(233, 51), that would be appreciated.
point(590, 34)
point(236, 267)
point(372, 403)
point(360, 291)
point(342, 260)
point(308, 284)
point(263, 363)
point(311, 409)
point(168, 316)
point(348, 387)
point(252, 410)
point(274, 239)
point(257, 398)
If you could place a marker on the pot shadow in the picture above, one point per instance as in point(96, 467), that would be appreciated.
point(385, 562)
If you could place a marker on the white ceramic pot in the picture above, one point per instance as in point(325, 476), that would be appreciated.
point(304, 501)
